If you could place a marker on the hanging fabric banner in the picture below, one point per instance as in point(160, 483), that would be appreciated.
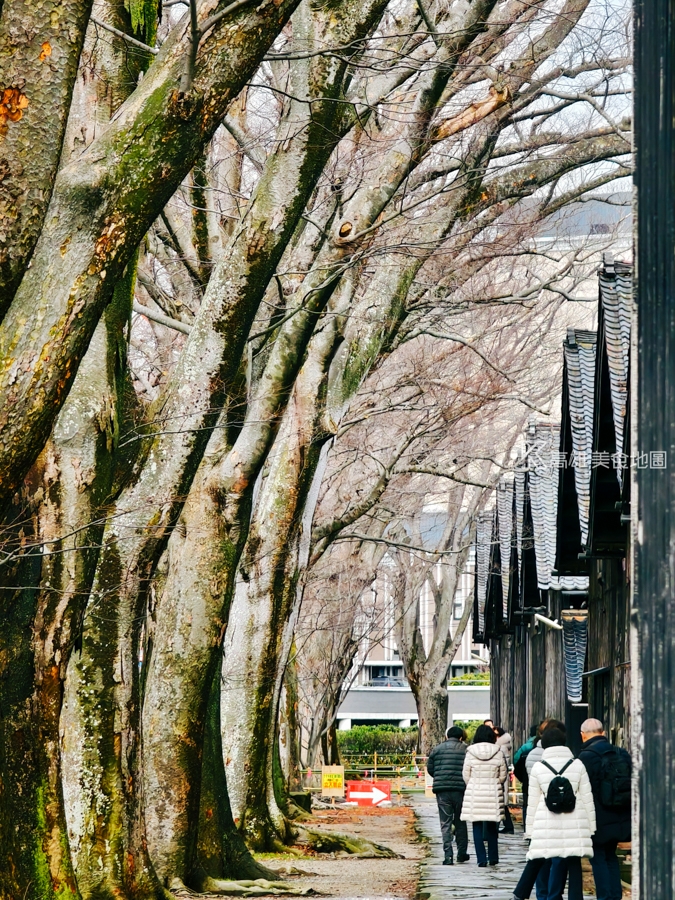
point(575, 638)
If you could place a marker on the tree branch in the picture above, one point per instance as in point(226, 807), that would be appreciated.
point(161, 319)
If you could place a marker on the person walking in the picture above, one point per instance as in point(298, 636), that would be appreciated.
point(519, 766)
point(484, 773)
point(553, 874)
point(560, 816)
point(505, 741)
point(445, 765)
point(537, 751)
point(609, 771)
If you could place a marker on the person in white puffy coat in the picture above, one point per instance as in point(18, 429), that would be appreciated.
point(484, 773)
point(555, 835)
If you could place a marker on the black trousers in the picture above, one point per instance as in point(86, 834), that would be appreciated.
point(449, 811)
point(574, 886)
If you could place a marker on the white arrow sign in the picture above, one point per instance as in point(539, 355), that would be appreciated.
point(376, 795)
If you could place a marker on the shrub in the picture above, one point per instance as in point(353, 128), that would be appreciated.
point(380, 739)
point(471, 678)
point(470, 726)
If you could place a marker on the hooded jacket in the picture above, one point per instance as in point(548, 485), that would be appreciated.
point(484, 773)
point(506, 743)
point(613, 825)
point(534, 756)
point(445, 765)
point(559, 834)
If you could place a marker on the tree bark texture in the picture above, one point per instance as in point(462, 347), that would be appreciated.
point(40, 48)
point(73, 481)
point(101, 207)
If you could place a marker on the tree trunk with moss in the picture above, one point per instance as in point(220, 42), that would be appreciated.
point(101, 207)
point(72, 482)
point(289, 728)
point(274, 563)
point(191, 837)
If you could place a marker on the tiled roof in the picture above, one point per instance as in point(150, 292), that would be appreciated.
point(483, 545)
point(616, 296)
point(519, 487)
point(505, 518)
point(542, 458)
point(580, 350)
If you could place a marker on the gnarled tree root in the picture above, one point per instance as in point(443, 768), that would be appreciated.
point(245, 888)
point(289, 869)
point(295, 813)
point(333, 842)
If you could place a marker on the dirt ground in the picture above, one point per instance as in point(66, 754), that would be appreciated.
point(345, 876)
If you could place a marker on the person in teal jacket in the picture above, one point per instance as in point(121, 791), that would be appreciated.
point(519, 769)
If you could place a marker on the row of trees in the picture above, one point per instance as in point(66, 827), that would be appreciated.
point(266, 278)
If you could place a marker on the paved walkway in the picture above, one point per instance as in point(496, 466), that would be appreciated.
point(467, 881)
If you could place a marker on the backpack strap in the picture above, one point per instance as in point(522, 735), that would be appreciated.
point(551, 769)
point(566, 766)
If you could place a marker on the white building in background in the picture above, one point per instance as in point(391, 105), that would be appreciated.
point(382, 662)
point(380, 691)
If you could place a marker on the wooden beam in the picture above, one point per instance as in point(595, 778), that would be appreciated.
point(654, 489)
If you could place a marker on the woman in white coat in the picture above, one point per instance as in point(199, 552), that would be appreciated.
point(484, 773)
point(558, 835)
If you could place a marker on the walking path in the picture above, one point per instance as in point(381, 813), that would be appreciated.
point(466, 881)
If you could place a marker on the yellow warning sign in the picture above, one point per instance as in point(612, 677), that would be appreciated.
point(332, 781)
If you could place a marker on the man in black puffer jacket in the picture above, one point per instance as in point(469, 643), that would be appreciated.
point(445, 765)
point(609, 770)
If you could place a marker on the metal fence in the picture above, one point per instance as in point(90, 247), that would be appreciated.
point(407, 773)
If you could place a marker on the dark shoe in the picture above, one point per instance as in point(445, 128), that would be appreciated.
point(463, 857)
point(448, 862)
point(493, 863)
point(506, 831)
point(482, 865)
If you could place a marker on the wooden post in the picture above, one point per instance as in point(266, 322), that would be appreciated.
point(653, 501)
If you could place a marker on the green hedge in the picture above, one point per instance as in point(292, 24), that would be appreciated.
point(472, 678)
point(380, 739)
point(470, 726)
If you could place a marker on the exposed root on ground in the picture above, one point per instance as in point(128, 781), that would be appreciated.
point(256, 888)
point(289, 869)
point(245, 888)
point(332, 842)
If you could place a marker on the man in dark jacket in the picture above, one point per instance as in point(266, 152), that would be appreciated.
point(445, 765)
point(610, 781)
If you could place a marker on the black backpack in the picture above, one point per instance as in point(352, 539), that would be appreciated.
point(560, 797)
point(615, 772)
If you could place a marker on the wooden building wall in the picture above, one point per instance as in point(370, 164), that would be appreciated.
point(527, 680)
point(608, 690)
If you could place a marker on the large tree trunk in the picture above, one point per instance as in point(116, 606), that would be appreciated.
point(259, 635)
point(289, 727)
point(191, 836)
point(101, 207)
point(44, 622)
point(432, 711)
point(274, 564)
